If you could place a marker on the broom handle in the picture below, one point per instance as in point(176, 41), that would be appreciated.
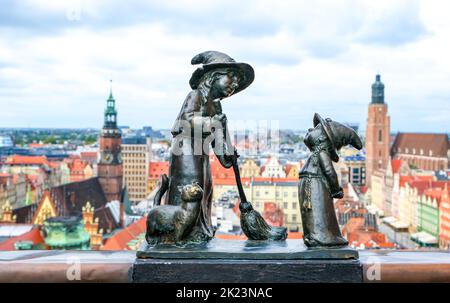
point(237, 175)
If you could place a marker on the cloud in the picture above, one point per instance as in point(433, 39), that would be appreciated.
point(321, 56)
point(393, 24)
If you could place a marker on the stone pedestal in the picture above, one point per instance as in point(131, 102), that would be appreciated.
point(230, 261)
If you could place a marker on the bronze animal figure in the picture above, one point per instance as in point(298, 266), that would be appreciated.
point(168, 224)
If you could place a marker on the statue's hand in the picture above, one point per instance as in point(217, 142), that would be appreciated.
point(233, 157)
point(339, 194)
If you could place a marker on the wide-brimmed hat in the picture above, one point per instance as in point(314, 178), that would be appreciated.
point(338, 134)
point(213, 60)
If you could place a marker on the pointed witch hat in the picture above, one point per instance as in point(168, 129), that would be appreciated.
point(338, 134)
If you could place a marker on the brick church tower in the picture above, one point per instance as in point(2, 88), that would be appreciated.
point(110, 168)
point(377, 132)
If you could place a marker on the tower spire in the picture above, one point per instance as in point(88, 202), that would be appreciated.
point(110, 90)
point(378, 91)
point(110, 111)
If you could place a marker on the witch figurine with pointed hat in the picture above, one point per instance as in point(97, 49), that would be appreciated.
point(319, 183)
point(199, 125)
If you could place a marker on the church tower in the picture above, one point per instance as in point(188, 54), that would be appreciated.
point(377, 132)
point(110, 169)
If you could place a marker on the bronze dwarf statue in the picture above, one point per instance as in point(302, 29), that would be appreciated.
point(199, 125)
point(319, 183)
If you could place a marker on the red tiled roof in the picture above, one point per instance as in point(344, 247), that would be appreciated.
point(35, 145)
point(437, 143)
point(273, 214)
point(353, 225)
point(284, 180)
point(363, 189)
point(288, 168)
point(227, 181)
point(437, 193)
point(78, 165)
point(396, 165)
point(274, 180)
point(421, 186)
point(27, 160)
point(220, 172)
point(88, 154)
point(54, 164)
point(244, 144)
point(33, 235)
point(120, 240)
point(416, 180)
point(357, 234)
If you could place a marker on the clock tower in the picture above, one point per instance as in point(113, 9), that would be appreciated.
point(110, 168)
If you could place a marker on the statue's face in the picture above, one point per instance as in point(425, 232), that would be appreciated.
point(225, 85)
point(312, 135)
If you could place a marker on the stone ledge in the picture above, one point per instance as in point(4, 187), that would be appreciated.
point(246, 271)
point(114, 266)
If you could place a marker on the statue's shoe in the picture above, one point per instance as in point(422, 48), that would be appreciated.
point(336, 242)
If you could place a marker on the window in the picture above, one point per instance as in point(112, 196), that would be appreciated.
point(380, 135)
point(285, 205)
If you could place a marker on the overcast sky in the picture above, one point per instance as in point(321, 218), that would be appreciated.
point(56, 59)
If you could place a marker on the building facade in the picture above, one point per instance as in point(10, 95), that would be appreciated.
point(261, 191)
point(428, 215)
point(249, 169)
point(283, 192)
point(273, 169)
point(137, 154)
point(444, 220)
point(356, 169)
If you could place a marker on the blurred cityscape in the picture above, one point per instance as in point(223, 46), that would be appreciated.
point(92, 188)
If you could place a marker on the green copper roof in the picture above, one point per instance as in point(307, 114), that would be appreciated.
point(66, 233)
point(110, 111)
